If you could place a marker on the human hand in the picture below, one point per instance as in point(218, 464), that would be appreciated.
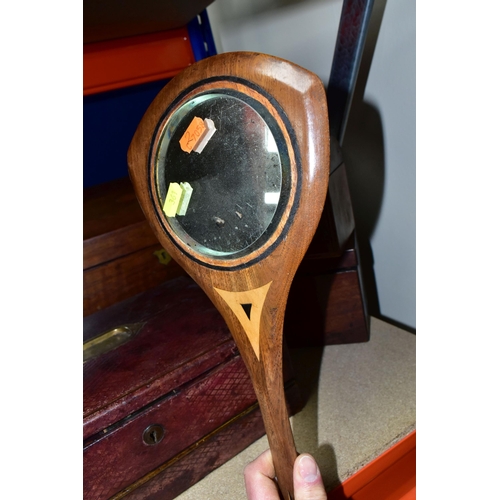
point(307, 482)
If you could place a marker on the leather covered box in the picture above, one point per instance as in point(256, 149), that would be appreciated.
point(167, 398)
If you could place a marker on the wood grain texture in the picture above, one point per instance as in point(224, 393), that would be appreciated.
point(108, 207)
point(249, 319)
point(301, 96)
point(124, 18)
point(339, 198)
point(125, 277)
point(182, 371)
point(325, 309)
point(172, 348)
point(113, 223)
point(325, 304)
point(120, 251)
point(117, 243)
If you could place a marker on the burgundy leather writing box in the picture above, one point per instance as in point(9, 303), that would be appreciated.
point(171, 403)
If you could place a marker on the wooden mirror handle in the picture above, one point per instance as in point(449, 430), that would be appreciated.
point(251, 291)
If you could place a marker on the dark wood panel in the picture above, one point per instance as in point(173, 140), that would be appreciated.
point(108, 207)
point(115, 244)
point(325, 309)
point(125, 277)
point(339, 201)
point(104, 20)
point(336, 226)
point(319, 260)
point(345, 321)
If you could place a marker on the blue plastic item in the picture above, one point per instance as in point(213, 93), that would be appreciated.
point(110, 118)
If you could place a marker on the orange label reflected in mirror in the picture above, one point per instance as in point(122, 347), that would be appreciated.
point(192, 135)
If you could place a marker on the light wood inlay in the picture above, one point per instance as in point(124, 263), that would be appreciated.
point(248, 316)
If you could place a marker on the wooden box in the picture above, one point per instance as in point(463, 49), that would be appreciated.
point(122, 258)
point(170, 403)
point(121, 255)
point(326, 304)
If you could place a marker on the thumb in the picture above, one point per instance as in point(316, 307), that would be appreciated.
point(307, 482)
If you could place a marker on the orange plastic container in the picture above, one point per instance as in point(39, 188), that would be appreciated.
point(120, 63)
point(391, 476)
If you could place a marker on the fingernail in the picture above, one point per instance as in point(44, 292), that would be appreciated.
point(308, 469)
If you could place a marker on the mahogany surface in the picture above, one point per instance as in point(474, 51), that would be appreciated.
point(120, 252)
point(173, 347)
point(340, 207)
point(120, 261)
point(326, 303)
point(124, 277)
point(104, 20)
point(109, 207)
point(302, 97)
point(325, 309)
point(181, 370)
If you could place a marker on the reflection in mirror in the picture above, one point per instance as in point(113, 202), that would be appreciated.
point(222, 173)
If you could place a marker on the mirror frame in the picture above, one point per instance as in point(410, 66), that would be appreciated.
point(281, 221)
point(287, 92)
point(261, 279)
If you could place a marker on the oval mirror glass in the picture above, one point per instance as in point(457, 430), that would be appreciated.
point(222, 173)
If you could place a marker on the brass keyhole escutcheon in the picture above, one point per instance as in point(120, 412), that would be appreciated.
point(153, 434)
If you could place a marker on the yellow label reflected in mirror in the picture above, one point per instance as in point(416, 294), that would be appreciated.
point(173, 199)
point(177, 200)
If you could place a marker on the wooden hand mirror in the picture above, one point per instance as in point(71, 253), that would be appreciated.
point(230, 164)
